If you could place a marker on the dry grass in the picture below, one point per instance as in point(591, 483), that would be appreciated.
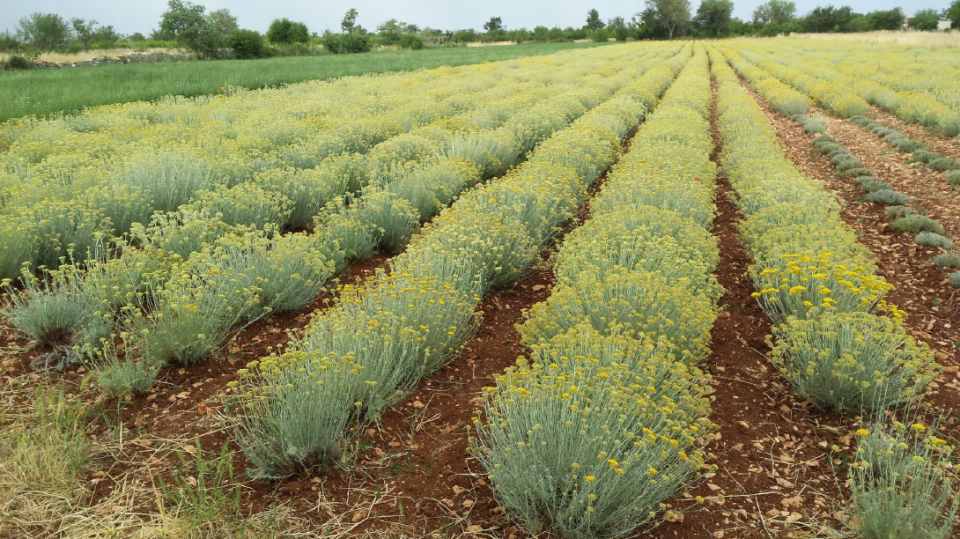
point(893, 37)
point(61, 58)
point(47, 459)
point(490, 43)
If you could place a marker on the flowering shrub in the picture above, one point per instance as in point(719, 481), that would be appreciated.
point(849, 361)
point(634, 303)
point(591, 449)
point(803, 284)
point(903, 481)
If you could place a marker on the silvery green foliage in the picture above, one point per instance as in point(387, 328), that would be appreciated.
point(917, 223)
point(51, 310)
point(899, 212)
point(846, 361)
point(169, 179)
point(888, 197)
point(947, 260)
point(932, 239)
point(903, 480)
point(953, 177)
point(944, 164)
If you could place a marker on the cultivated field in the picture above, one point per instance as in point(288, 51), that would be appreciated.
point(657, 289)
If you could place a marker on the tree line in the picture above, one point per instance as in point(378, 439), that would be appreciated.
point(217, 33)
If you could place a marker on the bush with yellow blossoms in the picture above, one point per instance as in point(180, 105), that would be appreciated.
point(633, 302)
point(592, 435)
point(803, 283)
point(852, 360)
point(903, 479)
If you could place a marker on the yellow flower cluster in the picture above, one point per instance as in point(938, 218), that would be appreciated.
point(800, 283)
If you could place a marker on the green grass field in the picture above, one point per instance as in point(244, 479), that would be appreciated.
point(47, 92)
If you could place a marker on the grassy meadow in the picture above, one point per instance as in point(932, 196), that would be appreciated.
point(47, 92)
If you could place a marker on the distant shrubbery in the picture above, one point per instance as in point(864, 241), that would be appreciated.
point(247, 44)
point(18, 61)
point(346, 43)
point(285, 31)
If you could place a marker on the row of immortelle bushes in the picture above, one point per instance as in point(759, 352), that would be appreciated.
point(212, 257)
point(607, 418)
point(793, 104)
point(379, 339)
point(838, 342)
point(915, 91)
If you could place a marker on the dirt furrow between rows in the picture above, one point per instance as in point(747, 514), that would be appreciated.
point(948, 147)
point(928, 189)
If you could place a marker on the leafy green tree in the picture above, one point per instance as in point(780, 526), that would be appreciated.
point(392, 31)
point(619, 27)
point(246, 44)
point(105, 35)
point(136, 36)
point(828, 19)
point(648, 25)
point(495, 24)
point(186, 22)
point(284, 31)
point(84, 30)
point(541, 34)
point(347, 42)
point(775, 11)
point(466, 36)
point(593, 20)
point(672, 15)
point(713, 16)
point(349, 22)
point(224, 23)
point(44, 31)
point(953, 13)
point(925, 19)
point(891, 19)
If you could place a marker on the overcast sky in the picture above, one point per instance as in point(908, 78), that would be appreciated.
point(128, 16)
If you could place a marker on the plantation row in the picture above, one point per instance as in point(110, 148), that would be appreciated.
point(379, 339)
point(846, 87)
point(607, 419)
point(838, 342)
point(192, 277)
